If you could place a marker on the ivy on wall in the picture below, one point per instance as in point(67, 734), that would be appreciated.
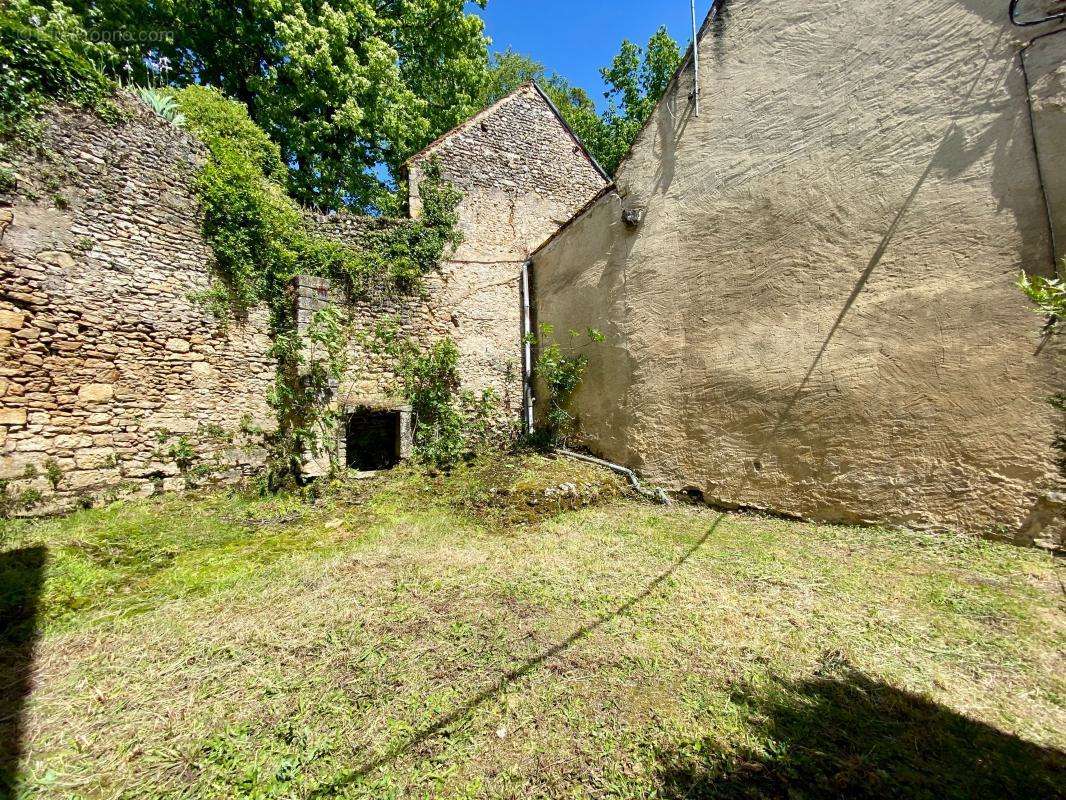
point(261, 241)
point(309, 364)
point(450, 423)
point(259, 236)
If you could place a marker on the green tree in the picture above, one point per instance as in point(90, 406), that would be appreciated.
point(636, 80)
point(46, 55)
point(342, 87)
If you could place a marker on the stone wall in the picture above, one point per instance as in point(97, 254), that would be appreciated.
point(522, 175)
point(104, 360)
point(110, 373)
point(817, 315)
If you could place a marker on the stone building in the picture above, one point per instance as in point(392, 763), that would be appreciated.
point(808, 288)
point(110, 373)
point(522, 173)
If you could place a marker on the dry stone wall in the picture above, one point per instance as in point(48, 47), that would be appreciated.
point(115, 382)
point(817, 314)
point(105, 362)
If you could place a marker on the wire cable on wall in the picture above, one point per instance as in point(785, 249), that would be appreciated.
point(1027, 23)
point(1032, 129)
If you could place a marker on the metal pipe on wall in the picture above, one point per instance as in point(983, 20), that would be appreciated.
point(527, 350)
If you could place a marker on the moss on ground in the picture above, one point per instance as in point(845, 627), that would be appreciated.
point(496, 633)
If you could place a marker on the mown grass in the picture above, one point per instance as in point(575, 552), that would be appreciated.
point(522, 628)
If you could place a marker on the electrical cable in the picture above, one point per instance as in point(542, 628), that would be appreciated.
point(1027, 23)
point(1032, 130)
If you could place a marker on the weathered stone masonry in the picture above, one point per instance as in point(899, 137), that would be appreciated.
point(102, 354)
point(104, 358)
point(522, 174)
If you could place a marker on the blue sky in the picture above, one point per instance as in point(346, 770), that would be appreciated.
point(577, 37)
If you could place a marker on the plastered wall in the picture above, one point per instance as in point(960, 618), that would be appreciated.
point(817, 315)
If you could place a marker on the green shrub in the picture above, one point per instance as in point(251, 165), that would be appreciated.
point(431, 384)
point(53, 472)
point(450, 424)
point(46, 55)
point(259, 236)
point(1049, 294)
point(8, 181)
point(30, 499)
point(561, 373)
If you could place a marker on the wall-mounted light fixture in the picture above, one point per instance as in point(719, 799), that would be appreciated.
point(632, 217)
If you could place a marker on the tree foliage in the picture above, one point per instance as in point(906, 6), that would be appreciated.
point(46, 55)
point(341, 87)
point(260, 237)
point(636, 79)
point(346, 90)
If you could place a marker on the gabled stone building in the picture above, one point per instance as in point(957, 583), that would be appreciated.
point(522, 173)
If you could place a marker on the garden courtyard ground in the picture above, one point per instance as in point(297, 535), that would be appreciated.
point(519, 629)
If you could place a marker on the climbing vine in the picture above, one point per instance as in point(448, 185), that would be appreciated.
point(449, 423)
point(260, 236)
point(310, 363)
point(261, 241)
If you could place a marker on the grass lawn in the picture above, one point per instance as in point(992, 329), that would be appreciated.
point(487, 634)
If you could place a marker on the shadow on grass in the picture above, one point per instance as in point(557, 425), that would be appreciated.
point(21, 577)
point(508, 679)
point(853, 737)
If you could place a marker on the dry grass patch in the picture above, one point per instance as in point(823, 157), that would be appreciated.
point(454, 636)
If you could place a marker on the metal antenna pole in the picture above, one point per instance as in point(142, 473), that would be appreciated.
point(695, 61)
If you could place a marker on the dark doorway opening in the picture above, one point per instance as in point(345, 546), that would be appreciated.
point(372, 440)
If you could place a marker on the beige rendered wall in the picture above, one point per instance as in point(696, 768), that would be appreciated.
point(817, 315)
